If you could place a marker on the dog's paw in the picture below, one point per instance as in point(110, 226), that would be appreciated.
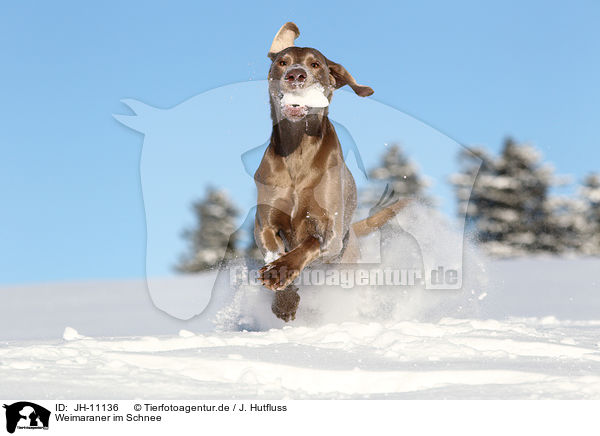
point(278, 274)
point(285, 304)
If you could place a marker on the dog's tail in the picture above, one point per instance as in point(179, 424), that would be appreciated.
point(380, 214)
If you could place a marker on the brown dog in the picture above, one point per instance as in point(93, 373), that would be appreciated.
point(306, 193)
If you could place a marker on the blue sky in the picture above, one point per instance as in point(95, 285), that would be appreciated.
point(72, 205)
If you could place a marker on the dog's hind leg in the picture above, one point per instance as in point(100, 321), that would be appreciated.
point(375, 221)
point(285, 303)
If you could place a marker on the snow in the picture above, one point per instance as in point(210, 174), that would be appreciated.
point(270, 256)
point(519, 358)
point(312, 96)
point(70, 334)
point(536, 335)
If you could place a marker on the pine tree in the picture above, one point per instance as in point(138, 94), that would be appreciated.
point(590, 196)
point(472, 197)
point(509, 204)
point(568, 223)
point(400, 174)
point(527, 196)
point(214, 239)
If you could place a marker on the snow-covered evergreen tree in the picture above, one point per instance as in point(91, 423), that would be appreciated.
point(527, 195)
point(400, 174)
point(509, 205)
point(590, 196)
point(472, 198)
point(568, 226)
point(214, 238)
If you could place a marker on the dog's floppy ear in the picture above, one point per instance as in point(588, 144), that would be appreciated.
point(284, 39)
point(342, 77)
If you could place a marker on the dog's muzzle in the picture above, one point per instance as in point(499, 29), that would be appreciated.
point(299, 94)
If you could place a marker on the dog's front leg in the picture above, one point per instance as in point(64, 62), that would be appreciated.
point(280, 273)
point(269, 242)
point(269, 225)
point(321, 239)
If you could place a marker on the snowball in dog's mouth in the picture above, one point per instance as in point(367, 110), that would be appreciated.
point(295, 104)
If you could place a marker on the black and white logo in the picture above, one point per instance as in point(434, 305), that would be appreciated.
point(26, 415)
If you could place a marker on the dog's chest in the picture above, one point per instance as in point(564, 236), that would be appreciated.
point(300, 165)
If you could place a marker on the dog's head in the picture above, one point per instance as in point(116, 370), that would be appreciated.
point(302, 79)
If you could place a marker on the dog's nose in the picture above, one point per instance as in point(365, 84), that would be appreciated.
point(296, 74)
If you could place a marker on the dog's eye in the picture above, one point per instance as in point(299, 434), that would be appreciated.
point(283, 63)
point(315, 65)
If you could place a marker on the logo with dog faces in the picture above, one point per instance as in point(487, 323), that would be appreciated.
point(25, 415)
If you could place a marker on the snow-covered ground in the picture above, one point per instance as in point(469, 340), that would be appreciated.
point(534, 333)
